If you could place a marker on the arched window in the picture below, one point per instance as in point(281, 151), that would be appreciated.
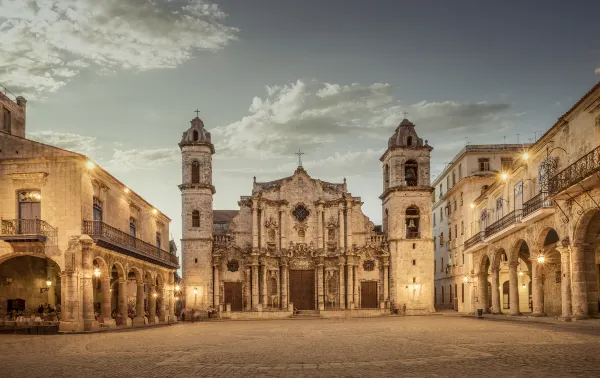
point(412, 222)
point(195, 218)
point(195, 135)
point(410, 173)
point(409, 140)
point(195, 172)
point(442, 294)
point(386, 177)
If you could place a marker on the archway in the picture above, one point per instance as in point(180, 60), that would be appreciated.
point(519, 278)
point(28, 282)
point(135, 296)
point(101, 290)
point(118, 289)
point(484, 287)
point(547, 275)
point(585, 268)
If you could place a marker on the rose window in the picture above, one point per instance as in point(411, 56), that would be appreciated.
point(301, 213)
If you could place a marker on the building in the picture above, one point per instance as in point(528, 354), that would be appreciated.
point(540, 222)
point(74, 237)
point(304, 243)
point(470, 172)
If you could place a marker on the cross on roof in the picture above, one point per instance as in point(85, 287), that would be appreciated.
point(299, 153)
point(405, 113)
point(196, 111)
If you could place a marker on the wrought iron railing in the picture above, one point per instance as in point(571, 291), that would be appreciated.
point(100, 230)
point(582, 168)
point(477, 238)
point(29, 227)
point(502, 223)
point(536, 203)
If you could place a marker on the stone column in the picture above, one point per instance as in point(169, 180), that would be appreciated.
point(262, 239)
point(152, 304)
point(51, 276)
point(342, 285)
point(513, 278)
point(579, 281)
point(216, 283)
point(284, 285)
point(483, 291)
point(537, 289)
point(320, 292)
point(565, 282)
point(386, 279)
point(349, 226)
point(341, 238)
point(255, 282)
point(265, 293)
point(356, 300)
point(172, 304)
point(106, 298)
point(123, 307)
point(495, 292)
point(247, 295)
point(473, 293)
point(140, 314)
point(255, 224)
point(282, 227)
point(87, 288)
point(350, 282)
point(320, 226)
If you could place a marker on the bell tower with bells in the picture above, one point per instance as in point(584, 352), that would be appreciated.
point(406, 207)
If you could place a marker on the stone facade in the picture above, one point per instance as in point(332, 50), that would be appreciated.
point(537, 224)
point(304, 243)
point(96, 238)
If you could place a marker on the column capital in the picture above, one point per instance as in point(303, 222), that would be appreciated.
point(563, 250)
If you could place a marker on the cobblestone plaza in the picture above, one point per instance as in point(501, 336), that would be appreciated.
point(437, 345)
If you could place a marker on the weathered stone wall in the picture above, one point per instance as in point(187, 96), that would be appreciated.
point(17, 111)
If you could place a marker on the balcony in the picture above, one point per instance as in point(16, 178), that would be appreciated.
point(580, 172)
point(537, 207)
point(116, 240)
point(378, 238)
point(222, 239)
point(28, 230)
point(475, 239)
point(496, 229)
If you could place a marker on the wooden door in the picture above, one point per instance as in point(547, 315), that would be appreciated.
point(302, 289)
point(368, 294)
point(233, 295)
point(28, 213)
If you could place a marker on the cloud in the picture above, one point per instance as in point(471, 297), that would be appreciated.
point(314, 115)
point(46, 43)
point(597, 70)
point(136, 159)
point(73, 142)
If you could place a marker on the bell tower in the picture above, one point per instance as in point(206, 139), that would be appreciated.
point(197, 193)
point(406, 209)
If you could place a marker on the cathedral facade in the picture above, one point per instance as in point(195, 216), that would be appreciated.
point(300, 243)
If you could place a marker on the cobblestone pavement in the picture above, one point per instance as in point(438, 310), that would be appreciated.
point(392, 346)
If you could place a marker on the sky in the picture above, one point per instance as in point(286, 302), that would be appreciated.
point(119, 81)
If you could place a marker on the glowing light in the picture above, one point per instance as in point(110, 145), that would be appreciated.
point(126, 190)
point(504, 176)
point(177, 288)
point(195, 291)
point(97, 272)
point(155, 295)
point(523, 286)
point(520, 273)
point(48, 283)
point(541, 259)
point(90, 164)
point(525, 156)
point(154, 211)
point(465, 278)
point(176, 298)
point(472, 205)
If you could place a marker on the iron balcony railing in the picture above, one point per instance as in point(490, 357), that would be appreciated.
point(119, 241)
point(502, 223)
point(576, 172)
point(28, 229)
point(536, 203)
point(477, 238)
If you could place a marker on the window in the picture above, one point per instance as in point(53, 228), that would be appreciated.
point(442, 294)
point(434, 242)
point(414, 262)
point(158, 239)
point(195, 172)
point(463, 258)
point(506, 163)
point(411, 173)
point(459, 172)
point(195, 135)
point(434, 219)
point(7, 119)
point(442, 239)
point(455, 230)
point(441, 190)
point(462, 290)
point(414, 279)
point(435, 265)
point(412, 222)
point(386, 177)
point(448, 182)
point(442, 267)
point(499, 208)
point(518, 195)
point(484, 164)
point(454, 204)
point(300, 213)
point(453, 178)
point(196, 260)
point(132, 227)
point(449, 233)
point(435, 294)
point(409, 141)
point(441, 214)
point(195, 218)
point(462, 228)
point(97, 212)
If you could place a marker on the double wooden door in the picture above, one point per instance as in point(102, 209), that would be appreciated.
point(302, 289)
point(368, 294)
point(233, 295)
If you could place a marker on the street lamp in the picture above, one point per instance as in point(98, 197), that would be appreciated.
point(177, 288)
point(97, 272)
point(195, 291)
point(541, 259)
point(44, 289)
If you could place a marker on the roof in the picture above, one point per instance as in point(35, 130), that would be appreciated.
point(224, 215)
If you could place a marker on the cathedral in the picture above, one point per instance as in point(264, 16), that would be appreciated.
point(302, 244)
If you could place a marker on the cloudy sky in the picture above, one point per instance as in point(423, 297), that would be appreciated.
point(119, 80)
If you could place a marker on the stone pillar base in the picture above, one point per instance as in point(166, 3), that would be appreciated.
point(259, 307)
point(110, 323)
point(515, 314)
point(228, 307)
point(153, 319)
point(538, 314)
point(140, 320)
point(70, 327)
point(290, 307)
point(351, 306)
point(579, 317)
point(89, 325)
point(565, 318)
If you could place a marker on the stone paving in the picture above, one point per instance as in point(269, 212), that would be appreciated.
point(368, 347)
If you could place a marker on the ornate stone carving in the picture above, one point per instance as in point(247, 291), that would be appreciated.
point(369, 265)
point(233, 266)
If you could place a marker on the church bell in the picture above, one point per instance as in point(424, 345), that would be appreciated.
point(411, 224)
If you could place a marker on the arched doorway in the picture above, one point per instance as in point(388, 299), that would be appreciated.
point(484, 297)
point(585, 257)
point(547, 276)
point(29, 282)
point(135, 296)
point(519, 279)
